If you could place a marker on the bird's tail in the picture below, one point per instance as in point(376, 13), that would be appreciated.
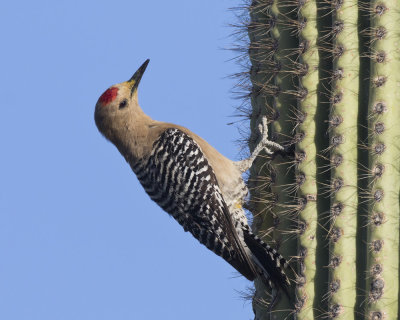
point(270, 263)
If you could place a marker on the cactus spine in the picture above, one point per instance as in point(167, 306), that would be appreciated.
point(314, 203)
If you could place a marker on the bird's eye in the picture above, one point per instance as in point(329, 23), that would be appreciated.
point(123, 104)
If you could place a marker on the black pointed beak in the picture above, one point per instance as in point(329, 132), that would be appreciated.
point(135, 80)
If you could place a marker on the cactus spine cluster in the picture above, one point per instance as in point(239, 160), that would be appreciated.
point(327, 75)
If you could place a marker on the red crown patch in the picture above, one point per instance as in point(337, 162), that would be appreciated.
point(108, 96)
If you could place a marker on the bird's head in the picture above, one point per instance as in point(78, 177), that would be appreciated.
point(118, 105)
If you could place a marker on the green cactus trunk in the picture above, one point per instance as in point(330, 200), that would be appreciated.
point(327, 75)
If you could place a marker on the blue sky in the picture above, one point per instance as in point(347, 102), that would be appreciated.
point(79, 238)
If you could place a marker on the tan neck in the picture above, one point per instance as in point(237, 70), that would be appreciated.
point(132, 135)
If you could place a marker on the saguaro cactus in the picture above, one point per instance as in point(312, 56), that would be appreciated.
point(327, 75)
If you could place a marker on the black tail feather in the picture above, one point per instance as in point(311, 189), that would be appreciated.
point(271, 261)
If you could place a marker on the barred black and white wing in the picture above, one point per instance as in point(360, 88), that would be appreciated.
point(178, 177)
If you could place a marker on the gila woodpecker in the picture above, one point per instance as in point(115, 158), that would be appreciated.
point(191, 181)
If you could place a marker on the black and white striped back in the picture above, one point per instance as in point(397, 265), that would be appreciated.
point(178, 177)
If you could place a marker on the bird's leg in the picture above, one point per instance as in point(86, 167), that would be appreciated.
point(264, 144)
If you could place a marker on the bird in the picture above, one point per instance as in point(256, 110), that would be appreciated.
point(189, 179)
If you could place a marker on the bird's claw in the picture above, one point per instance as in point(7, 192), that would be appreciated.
point(267, 144)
